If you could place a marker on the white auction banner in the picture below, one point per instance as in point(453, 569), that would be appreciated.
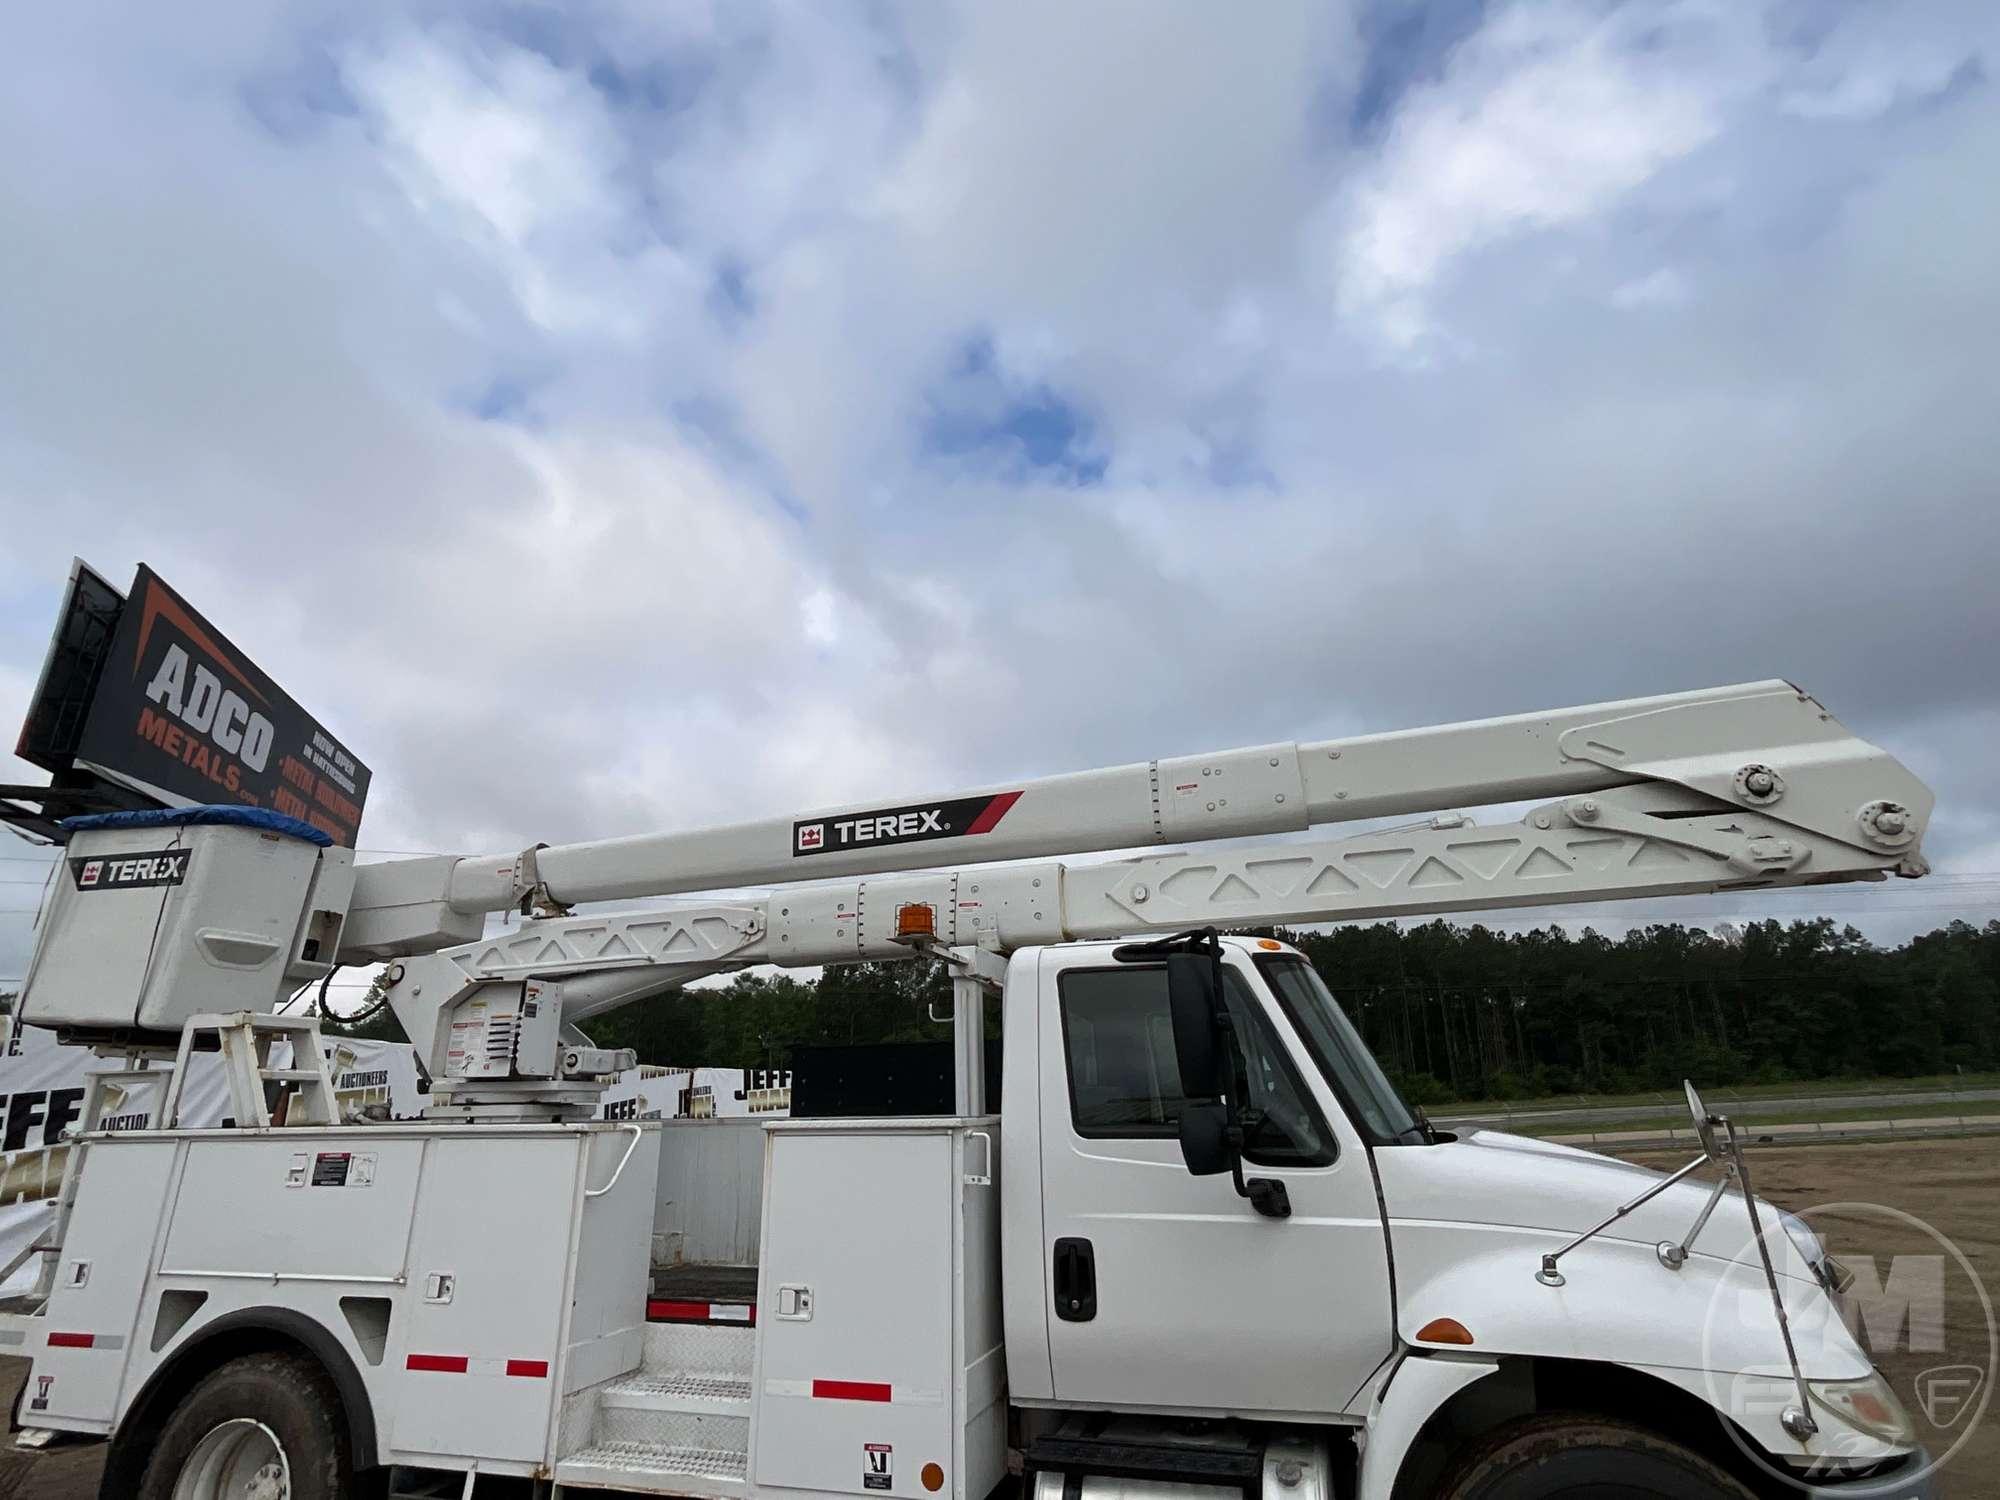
point(649, 1093)
point(42, 1086)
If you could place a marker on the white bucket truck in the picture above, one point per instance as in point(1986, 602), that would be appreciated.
point(1202, 1251)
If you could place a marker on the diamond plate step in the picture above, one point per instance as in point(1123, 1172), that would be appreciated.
point(718, 1395)
point(709, 1427)
point(676, 1348)
point(657, 1469)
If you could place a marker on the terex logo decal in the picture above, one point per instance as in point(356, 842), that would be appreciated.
point(126, 872)
point(961, 817)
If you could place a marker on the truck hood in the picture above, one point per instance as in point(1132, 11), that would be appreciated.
point(1490, 1178)
point(1470, 1219)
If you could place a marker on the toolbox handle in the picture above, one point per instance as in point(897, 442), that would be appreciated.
point(984, 1176)
point(619, 1170)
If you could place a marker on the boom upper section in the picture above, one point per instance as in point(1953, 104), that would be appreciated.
point(1760, 747)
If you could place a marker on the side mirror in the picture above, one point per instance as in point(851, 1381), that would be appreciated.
point(1704, 1124)
point(1205, 1138)
point(1193, 1000)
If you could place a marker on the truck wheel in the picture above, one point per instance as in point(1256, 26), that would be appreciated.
point(262, 1427)
point(1577, 1454)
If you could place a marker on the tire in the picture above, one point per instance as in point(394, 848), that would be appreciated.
point(1584, 1457)
point(262, 1414)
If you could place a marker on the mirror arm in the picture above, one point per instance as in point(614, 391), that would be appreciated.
point(1796, 1420)
point(1673, 1255)
point(1266, 1194)
point(1548, 1275)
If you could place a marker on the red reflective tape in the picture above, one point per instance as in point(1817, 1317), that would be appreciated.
point(669, 1310)
point(850, 1390)
point(537, 1369)
point(666, 1308)
point(443, 1364)
point(992, 813)
point(71, 1340)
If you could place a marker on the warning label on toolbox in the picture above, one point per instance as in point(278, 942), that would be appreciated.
point(877, 1466)
point(346, 1169)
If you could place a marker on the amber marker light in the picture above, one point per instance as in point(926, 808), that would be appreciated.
point(1444, 1331)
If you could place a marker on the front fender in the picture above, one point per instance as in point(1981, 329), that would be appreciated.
point(1415, 1389)
point(1707, 1328)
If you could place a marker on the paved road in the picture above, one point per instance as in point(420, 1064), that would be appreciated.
point(1720, 1100)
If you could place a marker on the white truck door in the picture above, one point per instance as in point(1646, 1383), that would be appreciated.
point(1163, 1289)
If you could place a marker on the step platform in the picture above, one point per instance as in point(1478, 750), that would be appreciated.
point(680, 1423)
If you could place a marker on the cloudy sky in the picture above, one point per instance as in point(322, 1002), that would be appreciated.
point(613, 417)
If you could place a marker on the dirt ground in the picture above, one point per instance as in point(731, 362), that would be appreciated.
point(1953, 1185)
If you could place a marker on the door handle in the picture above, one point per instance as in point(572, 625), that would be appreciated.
point(1075, 1280)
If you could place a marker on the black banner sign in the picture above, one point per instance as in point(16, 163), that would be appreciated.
point(130, 872)
point(960, 817)
point(179, 708)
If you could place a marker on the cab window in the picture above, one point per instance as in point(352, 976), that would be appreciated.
point(1124, 1083)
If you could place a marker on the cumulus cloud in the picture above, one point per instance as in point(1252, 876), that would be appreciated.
point(616, 418)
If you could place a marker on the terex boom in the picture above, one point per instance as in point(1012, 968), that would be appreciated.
point(1203, 1250)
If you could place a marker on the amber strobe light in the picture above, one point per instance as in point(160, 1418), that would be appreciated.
point(915, 921)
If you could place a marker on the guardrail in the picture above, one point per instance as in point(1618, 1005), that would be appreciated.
point(1789, 1133)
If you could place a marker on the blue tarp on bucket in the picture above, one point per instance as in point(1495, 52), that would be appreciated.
point(185, 817)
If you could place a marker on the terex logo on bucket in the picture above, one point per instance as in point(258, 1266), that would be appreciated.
point(126, 872)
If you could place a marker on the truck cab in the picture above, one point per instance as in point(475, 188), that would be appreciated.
point(1357, 1272)
point(1131, 1282)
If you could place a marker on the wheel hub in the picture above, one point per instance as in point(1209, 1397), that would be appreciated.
point(240, 1459)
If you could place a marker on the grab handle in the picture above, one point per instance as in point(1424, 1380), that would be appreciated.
point(619, 1170)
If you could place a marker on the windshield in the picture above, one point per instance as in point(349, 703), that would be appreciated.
point(1341, 1054)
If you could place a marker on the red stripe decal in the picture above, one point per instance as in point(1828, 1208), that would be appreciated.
point(71, 1340)
point(537, 1369)
point(850, 1390)
point(668, 1310)
point(992, 813)
point(443, 1364)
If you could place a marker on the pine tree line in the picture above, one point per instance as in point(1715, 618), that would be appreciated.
point(1470, 1013)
